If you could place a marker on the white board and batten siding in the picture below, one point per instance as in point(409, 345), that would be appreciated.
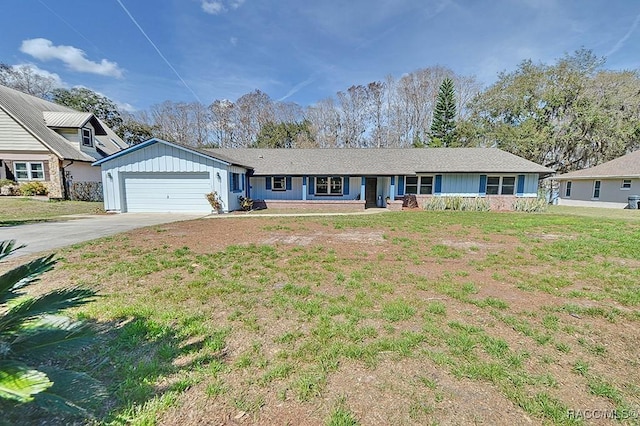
point(163, 178)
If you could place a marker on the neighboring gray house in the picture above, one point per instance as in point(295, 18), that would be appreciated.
point(610, 183)
point(53, 144)
point(162, 176)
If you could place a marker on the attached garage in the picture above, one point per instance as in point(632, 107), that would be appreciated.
point(164, 177)
point(166, 192)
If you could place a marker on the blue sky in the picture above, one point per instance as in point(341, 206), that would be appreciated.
point(142, 52)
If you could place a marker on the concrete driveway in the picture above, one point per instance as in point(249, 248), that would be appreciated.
point(48, 236)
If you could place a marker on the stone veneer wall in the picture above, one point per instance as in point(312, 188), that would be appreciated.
point(54, 183)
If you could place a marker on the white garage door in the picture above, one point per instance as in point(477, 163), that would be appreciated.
point(167, 192)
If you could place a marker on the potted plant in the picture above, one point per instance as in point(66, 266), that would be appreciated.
point(214, 200)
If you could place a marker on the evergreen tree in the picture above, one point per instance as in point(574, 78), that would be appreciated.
point(443, 126)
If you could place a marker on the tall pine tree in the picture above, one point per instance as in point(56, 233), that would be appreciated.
point(443, 125)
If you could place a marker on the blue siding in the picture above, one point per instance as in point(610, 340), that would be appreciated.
point(259, 191)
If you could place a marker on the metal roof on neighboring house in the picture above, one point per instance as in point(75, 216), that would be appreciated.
point(72, 120)
point(625, 166)
point(32, 113)
point(383, 161)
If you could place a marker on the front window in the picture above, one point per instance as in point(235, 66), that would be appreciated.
point(329, 185)
point(28, 171)
point(501, 185)
point(596, 189)
point(418, 185)
point(493, 185)
point(626, 184)
point(411, 186)
point(87, 140)
point(426, 184)
point(278, 183)
point(567, 191)
point(508, 185)
point(235, 182)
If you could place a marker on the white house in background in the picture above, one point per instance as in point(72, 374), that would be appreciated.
point(46, 142)
point(160, 176)
point(609, 184)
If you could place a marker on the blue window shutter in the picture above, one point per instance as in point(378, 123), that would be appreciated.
point(438, 185)
point(400, 185)
point(268, 181)
point(288, 180)
point(345, 188)
point(520, 190)
point(312, 185)
point(483, 185)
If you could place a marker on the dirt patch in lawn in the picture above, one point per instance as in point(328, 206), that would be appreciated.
point(446, 325)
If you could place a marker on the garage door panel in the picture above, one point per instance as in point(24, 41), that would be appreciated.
point(167, 192)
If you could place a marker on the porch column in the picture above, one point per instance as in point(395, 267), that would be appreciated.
point(362, 186)
point(392, 194)
point(304, 188)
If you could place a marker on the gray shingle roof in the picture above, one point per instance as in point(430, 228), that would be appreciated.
point(29, 111)
point(625, 166)
point(402, 161)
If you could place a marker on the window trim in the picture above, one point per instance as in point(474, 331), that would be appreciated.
point(597, 186)
point(419, 184)
point(501, 184)
point(329, 186)
point(567, 189)
point(626, 188)
point(88, 137)
point(29, 170)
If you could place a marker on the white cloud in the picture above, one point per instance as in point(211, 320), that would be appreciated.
point(74, 58)
point(216, 7)
point(34, 69)
point(233, 41)
point(236, 3)
point(213, 7)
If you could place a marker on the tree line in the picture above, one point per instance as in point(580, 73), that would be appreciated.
point(567, 115)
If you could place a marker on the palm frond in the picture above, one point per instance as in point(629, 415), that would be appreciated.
point(72, 392)
point(51, 302)
point(23, 275)
point(7, 247)
point(49, 335)
point(19, 382)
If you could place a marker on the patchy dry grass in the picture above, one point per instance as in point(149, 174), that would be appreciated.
point(442, 318)
point(20, 210)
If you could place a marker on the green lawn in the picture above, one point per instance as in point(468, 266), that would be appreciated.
point(397, 318)
point(18, 210)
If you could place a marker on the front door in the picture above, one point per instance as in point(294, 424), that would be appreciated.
point(370, 192)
